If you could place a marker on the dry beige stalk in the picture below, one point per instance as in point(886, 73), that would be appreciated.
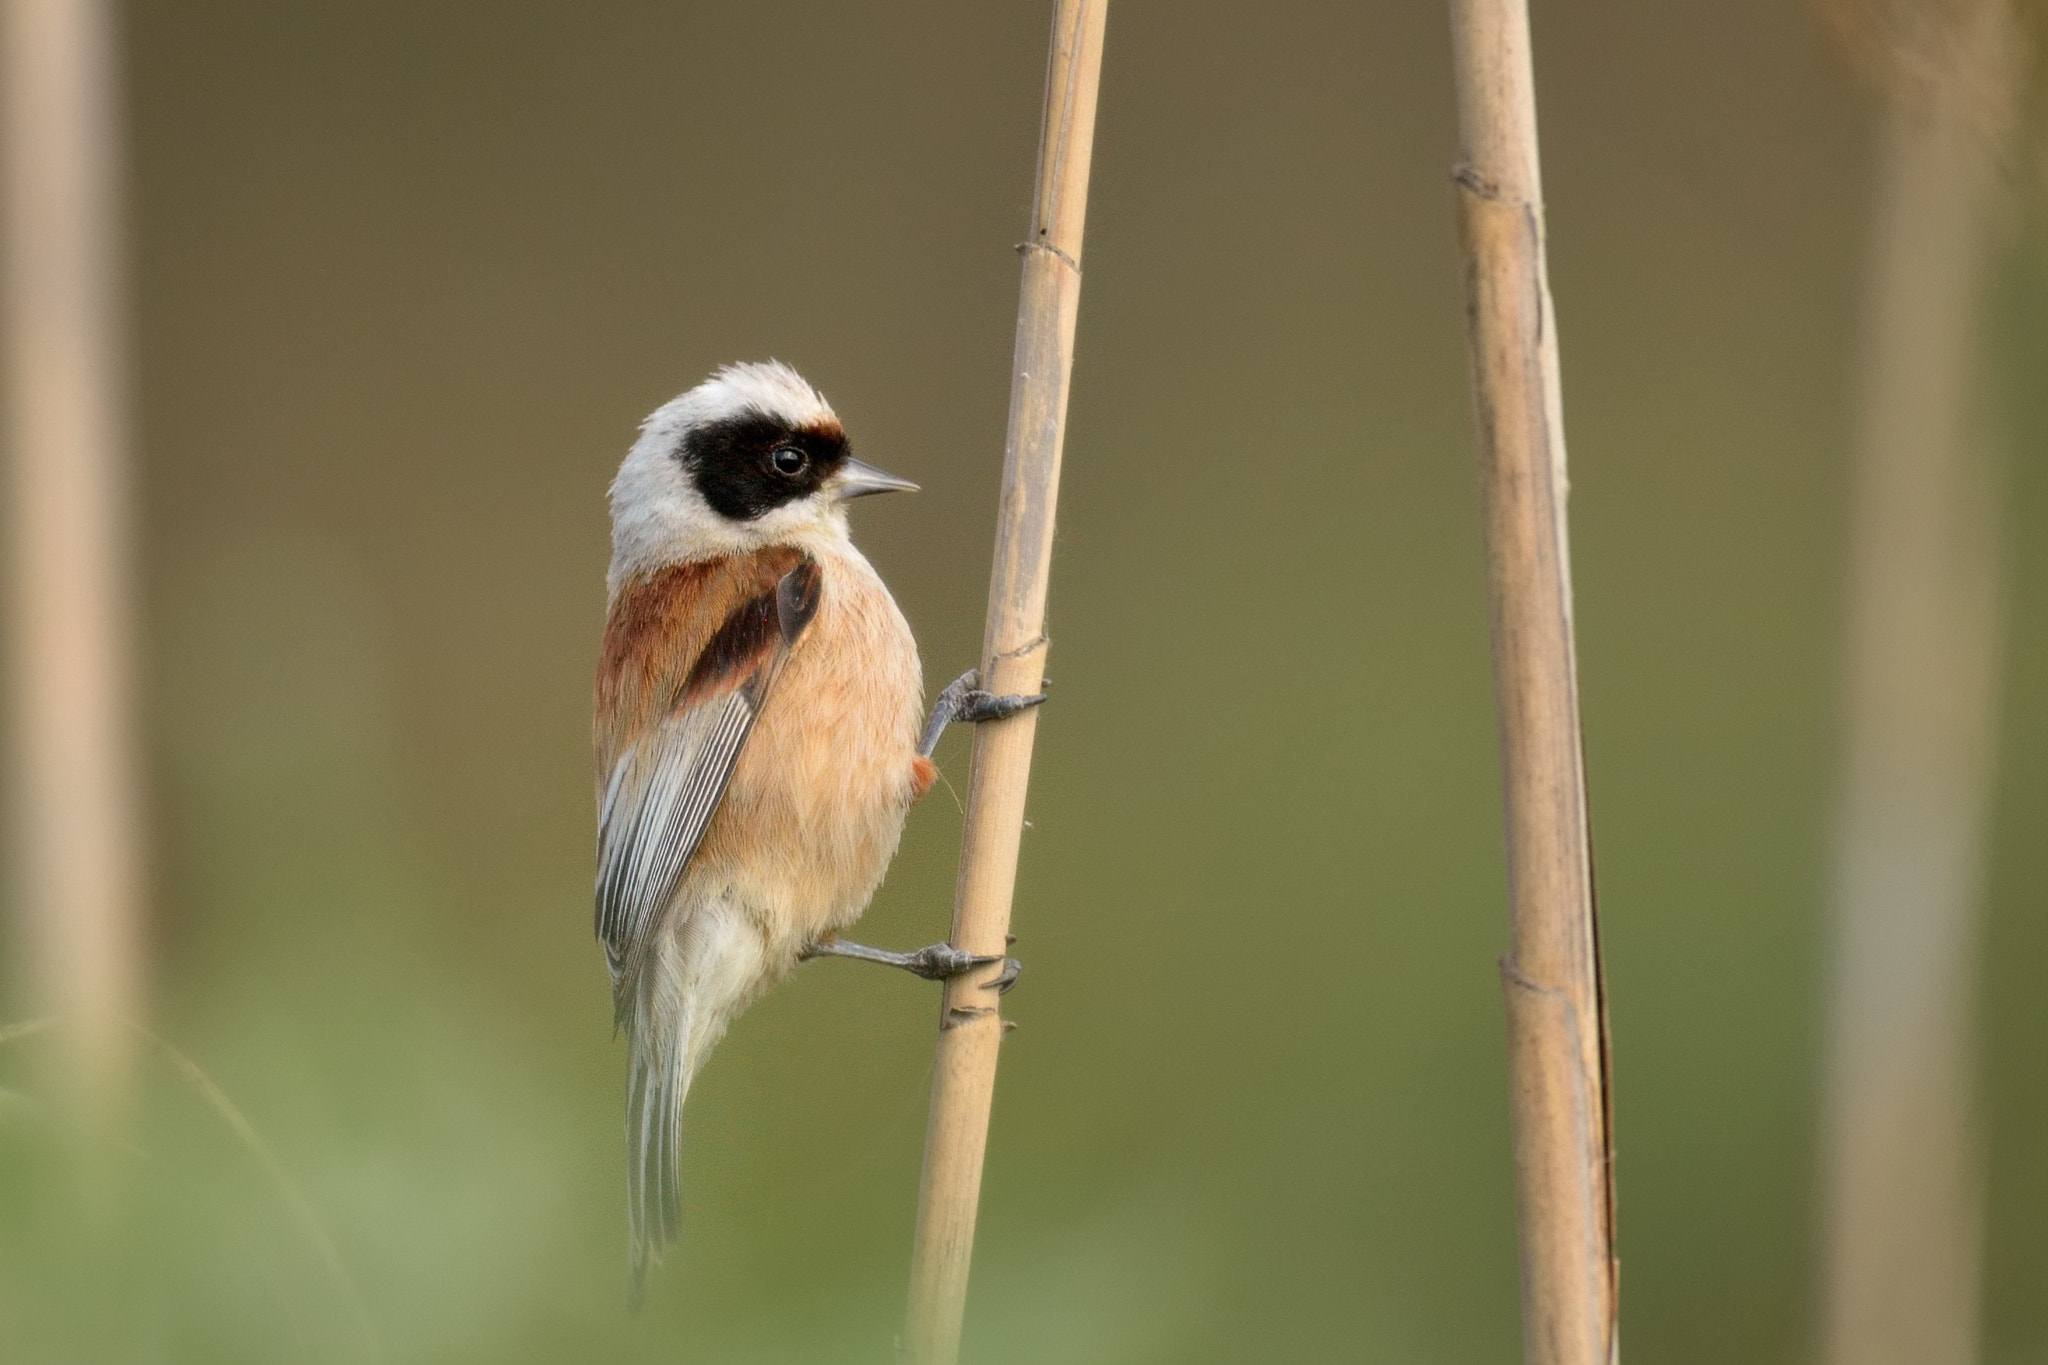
point(1557, 1047)
point(1013, 661)
point(72, 763)
point(1901, 1164)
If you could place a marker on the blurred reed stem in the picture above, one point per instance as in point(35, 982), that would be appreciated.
point(1556, 1013)
point(72, 763)
point(1012, 661)
point(1901, 1163)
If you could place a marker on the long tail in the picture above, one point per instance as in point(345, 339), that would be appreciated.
point(686, 992)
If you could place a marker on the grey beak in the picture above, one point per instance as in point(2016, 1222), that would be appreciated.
point(857, 480)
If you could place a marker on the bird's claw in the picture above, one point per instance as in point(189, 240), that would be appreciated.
point(940, 962)
point(934, 962)
point(943, 962)
point(965, 700)
point(977, 706)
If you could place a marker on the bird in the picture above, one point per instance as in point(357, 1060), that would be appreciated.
point(760, 738)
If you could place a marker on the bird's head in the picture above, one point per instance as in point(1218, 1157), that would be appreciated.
point(752, 457)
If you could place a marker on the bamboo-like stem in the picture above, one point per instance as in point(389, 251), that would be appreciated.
point(1900, 1159)
point(72, 760)
point(1557, 1046)
point(1012, 661)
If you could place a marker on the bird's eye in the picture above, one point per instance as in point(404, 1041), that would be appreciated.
point(788, 461)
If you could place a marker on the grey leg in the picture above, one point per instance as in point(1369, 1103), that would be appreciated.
point(965, 702)
point(935, 962)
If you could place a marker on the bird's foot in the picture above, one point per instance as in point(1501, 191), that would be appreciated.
point(964, 701)
point(934, 962)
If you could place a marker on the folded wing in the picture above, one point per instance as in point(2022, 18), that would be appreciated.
point(677, 720)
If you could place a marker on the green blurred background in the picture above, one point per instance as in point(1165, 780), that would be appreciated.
point(406, 277)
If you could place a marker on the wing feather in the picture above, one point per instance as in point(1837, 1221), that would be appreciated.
point(665, 786)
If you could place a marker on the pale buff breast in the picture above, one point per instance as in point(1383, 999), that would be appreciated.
point(817, 801)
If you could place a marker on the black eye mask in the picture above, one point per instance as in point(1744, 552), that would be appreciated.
point(738, 463)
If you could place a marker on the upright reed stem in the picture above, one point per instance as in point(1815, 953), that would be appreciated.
point(71, 762)
point(1557, 1043)
point(1012, 661)
point(1900, 1161)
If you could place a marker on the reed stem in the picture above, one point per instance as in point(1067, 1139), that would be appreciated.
point(1556, 1013)
point(1901, 1164)
point(1013, 661)
point(73, 770)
